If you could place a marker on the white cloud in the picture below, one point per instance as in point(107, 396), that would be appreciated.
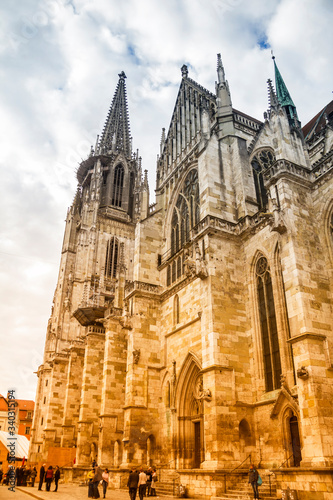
point(59, 68)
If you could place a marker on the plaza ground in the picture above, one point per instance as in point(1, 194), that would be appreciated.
point(65, 492)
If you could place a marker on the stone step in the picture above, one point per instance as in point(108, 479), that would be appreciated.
point(242, 497)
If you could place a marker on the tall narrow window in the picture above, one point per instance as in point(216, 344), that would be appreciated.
point(168, 276)
point(118, 182)
point(131, 194)
point(186, 213)
point(176, 310)
point(111, 259)
point(262, 161)
point(268, 326)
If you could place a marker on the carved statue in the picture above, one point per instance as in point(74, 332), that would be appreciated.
point(201, 393)
point(190, 265)
point(136, 356)
point(200, 264)
point(173, 376)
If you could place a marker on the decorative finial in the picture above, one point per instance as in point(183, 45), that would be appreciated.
point(122, 75)
point(184, 71)
point(273, 56)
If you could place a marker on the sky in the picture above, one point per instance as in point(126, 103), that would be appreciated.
point(59, 66)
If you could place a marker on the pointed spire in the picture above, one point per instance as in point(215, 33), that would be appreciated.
point(284, 97)
point(162, 141)
point(272, 99)
point(224, 105)
point(220, 70)
point(116, 132)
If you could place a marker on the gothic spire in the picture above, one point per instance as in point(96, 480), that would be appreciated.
point(224, 104)
point(220, 70)
point(284, 97)
point(116, 132)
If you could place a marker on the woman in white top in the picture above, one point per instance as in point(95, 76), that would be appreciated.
point(105, 477)
point(142, 484)
point(153, 483)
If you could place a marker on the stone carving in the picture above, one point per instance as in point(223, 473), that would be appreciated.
point(197, 266)
point(201, 393)
point(136, 356)
point(125, 320)
point(302, 373)
point(173, 376)
point(189, 263)
point(200, 264)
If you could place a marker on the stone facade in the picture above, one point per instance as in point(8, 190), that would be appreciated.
point(196, 333)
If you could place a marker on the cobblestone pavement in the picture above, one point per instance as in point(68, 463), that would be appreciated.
point(65, 492)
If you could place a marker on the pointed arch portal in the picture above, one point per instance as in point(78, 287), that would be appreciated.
point(190, 448)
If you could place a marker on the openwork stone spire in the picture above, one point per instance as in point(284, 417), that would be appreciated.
point(116, 133)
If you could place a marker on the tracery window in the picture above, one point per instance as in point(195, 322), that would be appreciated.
point(186, 212)
point(261, 162)
point(111, 259)
point(118, 183)
point(268, 326)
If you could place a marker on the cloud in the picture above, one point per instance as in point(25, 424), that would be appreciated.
point(59, 68)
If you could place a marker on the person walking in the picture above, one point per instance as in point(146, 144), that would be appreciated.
point(33, 476)
point(105, 483)
point(56, 477)
point(253, 480)
point(96, 480)
point(154, 480)
point(49, 477)
point(90, 477)
point(41, 476)
point(149, 475)
point(142, 483)
point(132, 483)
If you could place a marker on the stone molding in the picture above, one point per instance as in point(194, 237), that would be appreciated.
point(184, 326)
point(307, 335)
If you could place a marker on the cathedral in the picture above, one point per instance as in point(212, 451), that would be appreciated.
point(194, 334)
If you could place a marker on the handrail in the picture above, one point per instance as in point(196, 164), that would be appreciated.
point(249, 456)
point(163, 465)
point(286, 460)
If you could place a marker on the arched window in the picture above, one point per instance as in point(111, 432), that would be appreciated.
point(186, 213)
point(268, 326)
point(261, 162)
point(131, 194)
point(111, 260)
point(118, 182)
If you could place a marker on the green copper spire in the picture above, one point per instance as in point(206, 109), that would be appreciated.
point(284, 97)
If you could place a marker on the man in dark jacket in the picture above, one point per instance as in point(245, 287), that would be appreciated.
point(132, 483)
point(41, 476)
point(253, 479)
point(96, 480)
point(56, 477)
